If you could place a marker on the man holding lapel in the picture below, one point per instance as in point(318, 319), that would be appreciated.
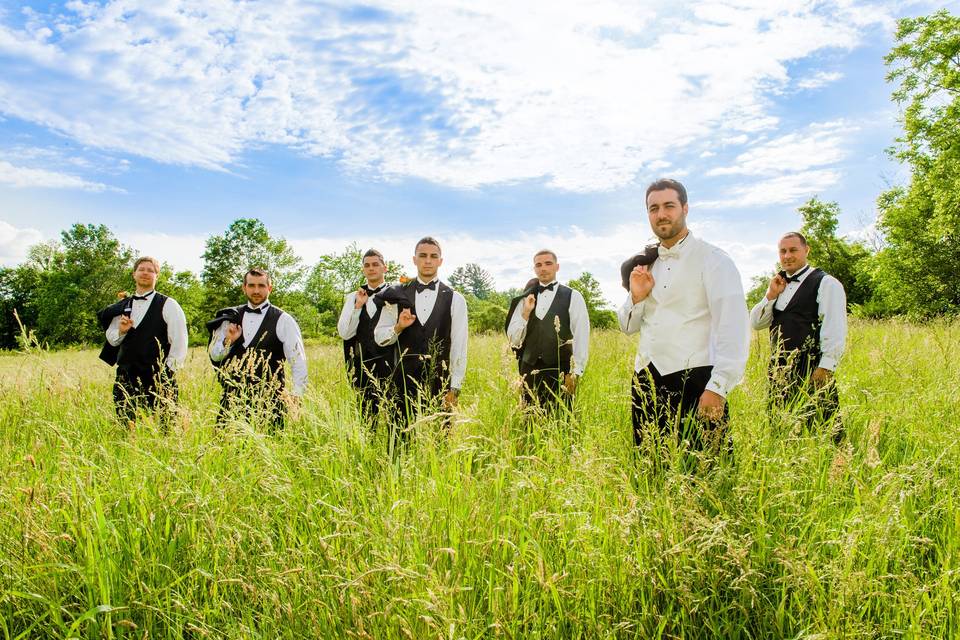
point(146, 337)
point(368, 364)
point(249, 346)
point(550, 327)
point(427, 322)
point(689, 309)
point(806, 311)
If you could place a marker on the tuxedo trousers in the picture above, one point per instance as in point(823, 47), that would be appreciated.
point(138, 389)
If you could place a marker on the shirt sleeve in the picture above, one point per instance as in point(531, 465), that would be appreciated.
point(114, 337)
point(517, 329)
point(349, 317)
point(217, 349)
point(383, 334)
point(631, 315)
point(580, 326)
point(832, 301)
point(288, 332)
point(176, 333)
point(762, 313)
point(459, 334)
point(729, 323)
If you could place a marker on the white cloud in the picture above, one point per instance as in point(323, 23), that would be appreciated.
point(819, 79)
point(785, 189)
point(25, 177)
point(581, 96)
point(14, 242)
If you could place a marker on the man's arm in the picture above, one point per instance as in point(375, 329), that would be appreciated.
point(762, 314)
point(580, 327)
point(459, 333)
point(114, 337)
point(176, 333)
point(832, 301)
point(517, 329)
point(630, 315)
point(349, 317)
point(384, 334)
point(218, 350)
point(729, 324)
point(288, 332)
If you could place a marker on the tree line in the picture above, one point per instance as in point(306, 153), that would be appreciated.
point(907, 268)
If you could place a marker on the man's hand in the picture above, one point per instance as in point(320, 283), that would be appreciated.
point(821, 377)
point(529, 304)
point(293, 404)
point(450, 399)
point(570, 383)
point(711, 406)
point(776, 287)
point(126, 323)
point(641, 283)
point(404, 320)
point(234, 333)
point(361, 300)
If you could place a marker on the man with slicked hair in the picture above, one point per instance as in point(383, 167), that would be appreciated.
point(690, 313)
point(806, 312)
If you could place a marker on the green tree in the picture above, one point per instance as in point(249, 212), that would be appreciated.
point(185, 287)
point(601, 317)
point(244, 245)
point(473, 279)
point(916, 270)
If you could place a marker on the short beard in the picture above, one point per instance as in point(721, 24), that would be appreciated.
point(671, 233)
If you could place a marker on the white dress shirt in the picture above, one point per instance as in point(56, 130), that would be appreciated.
point(579, 324)
point(696, 315)
point(384, 334)
point(350, 315)
point(832, 303)
point(288, 333)
point(176, 328)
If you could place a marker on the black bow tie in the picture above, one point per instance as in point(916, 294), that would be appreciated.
point(370, 291)
point(541, 288)
point(432, 286)
point(795, 277)
point(252, 310)
point(143, 297)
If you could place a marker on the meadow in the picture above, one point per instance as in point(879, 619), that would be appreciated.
point(504, 528)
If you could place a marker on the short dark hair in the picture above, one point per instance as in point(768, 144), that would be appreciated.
point(543, 252)
point(150, 259)
point(427, 240)
point(373, 253)
point(795, 234)
point(259, 273)
point(667, 183)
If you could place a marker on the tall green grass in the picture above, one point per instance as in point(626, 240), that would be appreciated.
point(503, 528)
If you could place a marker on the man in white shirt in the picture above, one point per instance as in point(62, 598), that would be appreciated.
point(427, 322)
point(550, 329)
point(368, 364)
point(689, 309)
point(806, 312)
point(249, 345)
point(146, 337)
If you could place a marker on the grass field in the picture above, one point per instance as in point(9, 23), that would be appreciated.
point(503, 529)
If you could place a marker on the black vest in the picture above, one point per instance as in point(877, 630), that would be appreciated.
point(362, 348)
point(795, 331)
point(145, 347)
point(262, 360)
point(544, 341)
point(424, 347)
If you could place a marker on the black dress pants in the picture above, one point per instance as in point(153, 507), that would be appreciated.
point(543, 386)
point(792, 387)
point(144, 389)
point(371, 379)
point(668, 404)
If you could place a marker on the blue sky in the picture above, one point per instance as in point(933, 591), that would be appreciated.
point(499, 127)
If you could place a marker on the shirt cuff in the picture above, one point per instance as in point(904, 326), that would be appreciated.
point(718, 385)
point(829, 363)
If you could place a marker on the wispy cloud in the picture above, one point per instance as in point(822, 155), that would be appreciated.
point(24, 177)
point(819, 79)
point(582, 97)
point(14, 242)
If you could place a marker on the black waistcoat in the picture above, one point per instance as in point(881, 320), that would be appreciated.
point(424, 346)
point(543, 341)
point(362, 348)
point(146, 346)
point(262, 360)
point(797, 327)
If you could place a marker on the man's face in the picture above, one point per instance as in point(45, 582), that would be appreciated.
point(668, 218)
point(374, 270)
point(546, 267)
point(145, 275)
point(257, 289)
point(793, 254)
point(427, 260)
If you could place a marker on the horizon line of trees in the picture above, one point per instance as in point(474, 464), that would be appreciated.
point(908, 268)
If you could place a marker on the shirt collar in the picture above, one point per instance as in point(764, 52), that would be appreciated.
point(540, 284)
point(804, 271)
point(145, 295)
point(263, 305)
point(428, 281)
